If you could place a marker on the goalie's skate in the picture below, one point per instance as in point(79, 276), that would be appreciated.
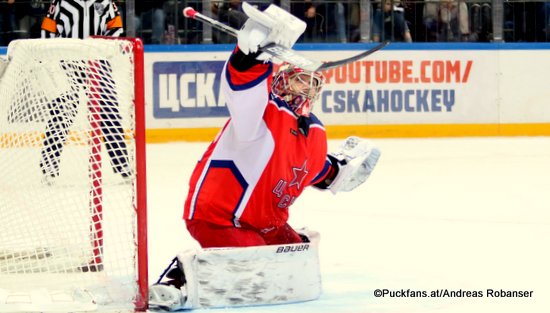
point(169, 292)
point(166, 297)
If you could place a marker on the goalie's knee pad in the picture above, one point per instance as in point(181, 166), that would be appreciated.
point(308, 235)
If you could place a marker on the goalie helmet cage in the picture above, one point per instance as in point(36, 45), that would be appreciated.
point(72, 176)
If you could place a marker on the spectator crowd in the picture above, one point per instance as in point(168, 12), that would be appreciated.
point(161, 22)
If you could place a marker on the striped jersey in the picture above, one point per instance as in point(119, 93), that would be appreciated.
point(81, 19)
point(260, 162)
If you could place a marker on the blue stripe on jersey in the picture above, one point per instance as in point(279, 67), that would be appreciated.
point(282, 104)
point(250, 84)
point(235, 171)
point(315, 120)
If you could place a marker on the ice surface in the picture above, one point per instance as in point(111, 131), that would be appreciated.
point(466, 214)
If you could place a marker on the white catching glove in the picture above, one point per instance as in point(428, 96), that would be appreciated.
point(356, 160)
point(273, 25)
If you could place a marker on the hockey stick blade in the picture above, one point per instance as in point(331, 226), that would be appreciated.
point(291, 56)
point(342, 62)
point(280, 52)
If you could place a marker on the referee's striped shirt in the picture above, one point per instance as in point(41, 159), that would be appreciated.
point(81, 19)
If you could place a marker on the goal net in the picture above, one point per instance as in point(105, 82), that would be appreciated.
point(72, 176)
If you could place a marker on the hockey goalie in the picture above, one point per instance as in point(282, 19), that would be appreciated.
point(268, 152)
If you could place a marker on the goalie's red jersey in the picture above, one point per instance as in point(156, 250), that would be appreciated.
point(260, 162)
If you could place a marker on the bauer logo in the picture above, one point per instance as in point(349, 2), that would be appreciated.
point(188, 89)
point(292, 248)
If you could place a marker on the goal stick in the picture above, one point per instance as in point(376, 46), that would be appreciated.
point(281, 52)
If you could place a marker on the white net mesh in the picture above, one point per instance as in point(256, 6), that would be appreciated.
point(67, 174)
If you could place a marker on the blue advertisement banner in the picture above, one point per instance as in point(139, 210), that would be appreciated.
point(188, 89)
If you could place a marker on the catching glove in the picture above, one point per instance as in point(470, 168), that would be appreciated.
point(356, 160)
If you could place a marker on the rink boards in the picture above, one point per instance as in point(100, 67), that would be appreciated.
point(405, 90)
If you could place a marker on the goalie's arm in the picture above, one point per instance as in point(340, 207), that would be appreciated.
point(243, 62)
point(329, 173)
point(245, 84)
point(246, 80)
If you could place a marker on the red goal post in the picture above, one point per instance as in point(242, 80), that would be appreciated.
point(73, 175)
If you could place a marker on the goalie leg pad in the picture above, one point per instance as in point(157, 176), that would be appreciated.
point(234, 277)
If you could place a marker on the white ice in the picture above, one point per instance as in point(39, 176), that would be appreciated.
point(466, 214)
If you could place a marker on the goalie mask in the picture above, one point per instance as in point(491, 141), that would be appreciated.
point(298, 87)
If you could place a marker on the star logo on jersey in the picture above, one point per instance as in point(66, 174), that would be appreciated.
point(299, 175)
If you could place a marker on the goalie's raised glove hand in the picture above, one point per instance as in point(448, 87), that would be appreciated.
point(273, 25)
point(356, 160)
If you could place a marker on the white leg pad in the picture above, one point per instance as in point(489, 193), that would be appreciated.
point(262, 275)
